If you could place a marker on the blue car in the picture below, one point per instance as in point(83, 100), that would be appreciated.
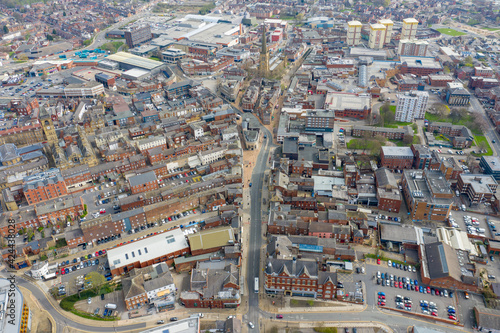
point(421, 289)
point(393, 264)
point(408, 286)
point(416, 282)
point(105, 312)
point(383, 276)
point(451, 311)
point(381, 293)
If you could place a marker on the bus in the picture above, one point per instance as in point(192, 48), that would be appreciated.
point(256, 287)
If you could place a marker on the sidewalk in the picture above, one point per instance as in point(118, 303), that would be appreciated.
point(282, 305)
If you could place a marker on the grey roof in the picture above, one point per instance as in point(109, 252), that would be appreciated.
point(8, 152)
point(292, 267)
point(385, 178)
point(142, 178)
point(398, 234)
point(397, 151)
point(442, 261)
point(487, 318)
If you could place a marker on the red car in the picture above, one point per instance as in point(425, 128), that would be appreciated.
point(381, 297)
point(401, 285)
point(194, 211)
point(428, 290)
point(279, 316)
point(378, 261)
point(63, 272)
point(434, 313)
point(452, 317)
point(437, 292)
point(97, 254)
point(103, 252)
point(170, 219)
point(381, 303)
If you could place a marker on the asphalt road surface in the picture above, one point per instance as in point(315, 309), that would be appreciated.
point(255, 242)
point(61, 321)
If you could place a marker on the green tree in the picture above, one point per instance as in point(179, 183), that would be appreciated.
point(64, 13)
point(54, 32)
point(27, 36)
point(87, 42)
point(50, 38)
point(97, 280)
point(446, 70)
point(5, 29)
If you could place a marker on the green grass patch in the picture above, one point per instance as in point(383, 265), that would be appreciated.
point(441, 137)
point(451, 32)
point(92, 316)
point(481, 141)
point(468, 121)
point(112, 46)
point(154, 58)
point(491, 29)
point(326, 329)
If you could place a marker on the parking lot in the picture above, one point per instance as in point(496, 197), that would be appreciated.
point(97, 305)
point(401, 276)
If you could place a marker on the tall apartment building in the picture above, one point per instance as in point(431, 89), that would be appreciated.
point(138, 35)
point(409, 30)
point(44, 186)
point(416, 48)
point(353, 32)
point(377, 36)
point(411, 105)
point(388, 24)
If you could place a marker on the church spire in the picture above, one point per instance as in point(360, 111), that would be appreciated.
point(264, 46)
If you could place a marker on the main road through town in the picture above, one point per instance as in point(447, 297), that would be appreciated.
point(255, 241)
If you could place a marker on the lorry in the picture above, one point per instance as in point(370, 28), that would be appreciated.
point(110, 306)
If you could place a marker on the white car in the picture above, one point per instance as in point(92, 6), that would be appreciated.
point(389, 263)
point(251, 325)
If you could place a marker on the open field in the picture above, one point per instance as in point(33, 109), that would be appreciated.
point(451, 32)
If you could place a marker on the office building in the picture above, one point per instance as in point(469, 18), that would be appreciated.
point(478, 188)
point(353, 32)
point(491, 166)
point(388, 29)
point(16, 315)
point(415, 48)
point(172, 56)
point(409, 30)
point(377, 36)
point(427, 194)
point(411, 105)
point(138, 35)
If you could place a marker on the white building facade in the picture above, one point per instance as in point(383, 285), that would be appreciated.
point(411, 106)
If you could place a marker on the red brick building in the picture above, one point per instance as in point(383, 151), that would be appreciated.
point(44, 186)
point(24, 107)
point(396, 158)
point(143, 183)
point(299, 278)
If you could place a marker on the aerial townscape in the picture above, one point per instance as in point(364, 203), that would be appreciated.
point(241, 166)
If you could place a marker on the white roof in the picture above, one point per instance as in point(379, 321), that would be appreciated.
point(150, 247)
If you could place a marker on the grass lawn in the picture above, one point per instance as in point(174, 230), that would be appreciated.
point(466, 121)
point(451, 32)
point(482, 138)
point(491, 29)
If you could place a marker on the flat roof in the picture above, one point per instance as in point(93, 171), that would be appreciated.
point(188, 325)
point(347, 101)
point(211, 238)
point(147, 248)
point(133, 60)
point(424, 62)
point(397, 151)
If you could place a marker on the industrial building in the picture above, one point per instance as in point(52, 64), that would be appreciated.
point(128, 61)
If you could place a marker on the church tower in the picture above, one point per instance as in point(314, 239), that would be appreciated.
point(264, 55)
point(48, 126)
